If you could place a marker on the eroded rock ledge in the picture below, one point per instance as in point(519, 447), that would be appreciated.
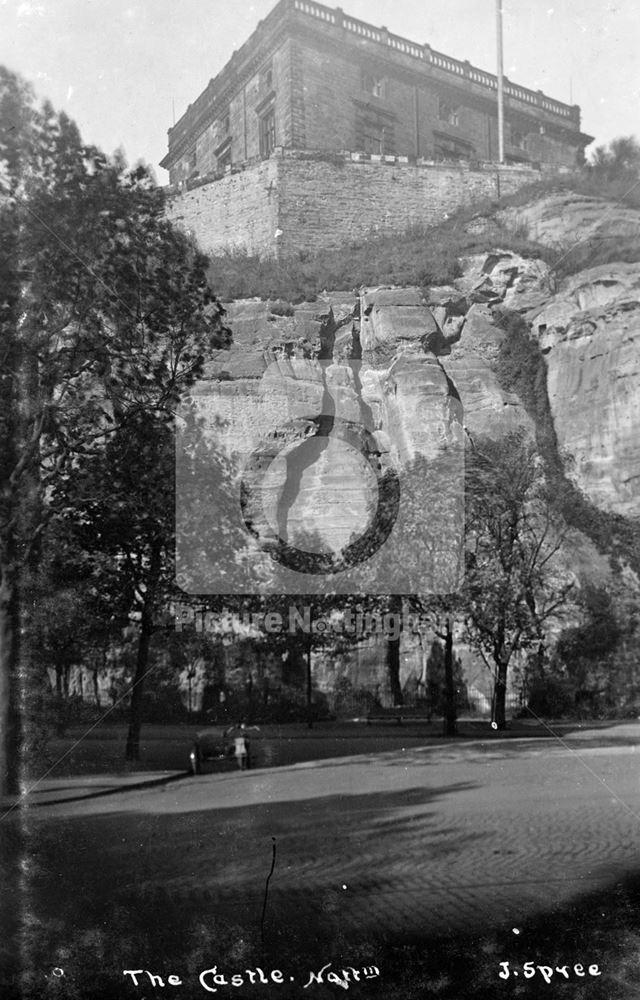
point(588, 328)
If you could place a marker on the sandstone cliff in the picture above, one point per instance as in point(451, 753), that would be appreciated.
point(565, 218)
point(430, 365)
point(589, 332)
point(588, 328)
point(321, 411)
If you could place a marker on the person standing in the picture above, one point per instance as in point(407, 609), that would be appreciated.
point(242, 750)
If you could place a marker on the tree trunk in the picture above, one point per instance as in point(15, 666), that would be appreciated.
point(393, 655)
point(96, 686)
point(450, 718)
point(12, 439)
point(132, 751)
point(248, 690)
point(309, 701)
point(423, 683)
point(10, 719)
point(500, 697)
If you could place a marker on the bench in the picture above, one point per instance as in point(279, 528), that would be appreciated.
point(399, 714)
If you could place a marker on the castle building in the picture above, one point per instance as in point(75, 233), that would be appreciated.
point(312, 78)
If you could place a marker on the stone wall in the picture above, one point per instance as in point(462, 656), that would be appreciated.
point(239, 211)
point(300, 203)
point(328, 205)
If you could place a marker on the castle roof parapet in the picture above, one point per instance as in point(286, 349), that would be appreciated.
point(304, 16)
point(427, 55)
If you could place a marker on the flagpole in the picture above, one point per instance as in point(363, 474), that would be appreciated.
point(500, 83)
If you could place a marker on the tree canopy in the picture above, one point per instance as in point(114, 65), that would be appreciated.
point(617, 161)
point(515, 583)
point(107, 318)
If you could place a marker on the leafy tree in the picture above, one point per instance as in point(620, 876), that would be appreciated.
point(445, 684)
point(619, 161)
point(440, 611)
point(105, 313)
point(597, 635)
point(591, 658)
point(450, 705)
point(514, 583)
point(120, 504)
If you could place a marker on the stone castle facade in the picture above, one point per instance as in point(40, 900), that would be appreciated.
point(314, 85)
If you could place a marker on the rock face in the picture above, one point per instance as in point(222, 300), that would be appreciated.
point(590, 334)
point(340, 394)
point(489, 410)
point(474, 340)
point(504, 278)
point(566, 219)
point(346, 437)
point(588, 329)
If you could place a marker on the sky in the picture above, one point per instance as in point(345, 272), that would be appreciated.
point(122, 68)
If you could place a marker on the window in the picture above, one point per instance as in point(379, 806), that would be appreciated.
point(518, 139)
point(190, 162)
point(223, 140)
point(267, 133)
point(374, 132)
point(225, 124)
point(448, 148)
point(373, 84)
point(448, 112)
point(224, 159)
point(267, 78)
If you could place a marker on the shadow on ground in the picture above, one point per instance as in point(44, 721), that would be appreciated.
point(166, 748)
point(180, 892)
point(598, 933)
point(177, 893)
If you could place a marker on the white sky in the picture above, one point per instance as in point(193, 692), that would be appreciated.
point(118, 67)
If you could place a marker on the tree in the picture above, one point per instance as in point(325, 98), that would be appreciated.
point(442, 610)
point(105, 312)
point(122, 497)
point(392, 652)
point(120, 504)
point(514, 584)
point(619, 161)
point(450, 706)
point(586, 654)
point(447, 690)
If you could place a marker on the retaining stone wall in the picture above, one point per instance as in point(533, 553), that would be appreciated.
point(238, 211)
point(290, 203)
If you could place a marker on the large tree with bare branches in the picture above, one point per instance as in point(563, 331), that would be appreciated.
point(515, 584)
